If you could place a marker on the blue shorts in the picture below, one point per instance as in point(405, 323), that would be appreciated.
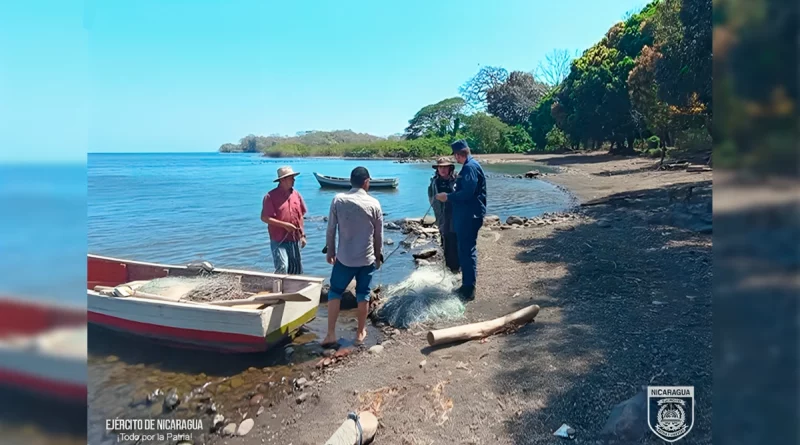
point(342, 275)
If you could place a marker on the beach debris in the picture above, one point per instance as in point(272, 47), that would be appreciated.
point(219, 419)
point(482, 329)
point(152, 397)
point(245, 427)
point(565, 431)
point(348, 432)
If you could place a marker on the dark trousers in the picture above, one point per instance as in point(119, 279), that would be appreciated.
point(467, 233)
point(450, 246)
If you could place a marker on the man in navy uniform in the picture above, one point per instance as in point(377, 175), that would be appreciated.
point(469, 208)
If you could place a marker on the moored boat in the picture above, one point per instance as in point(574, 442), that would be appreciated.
point(333, 181)
point(43, 349)
point(271, 307)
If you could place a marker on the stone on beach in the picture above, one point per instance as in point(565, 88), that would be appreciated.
point(245, 427)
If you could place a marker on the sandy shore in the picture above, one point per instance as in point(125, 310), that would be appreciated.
point(625, 295)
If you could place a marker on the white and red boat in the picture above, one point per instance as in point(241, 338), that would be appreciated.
point(43, 348)
point(275, 306)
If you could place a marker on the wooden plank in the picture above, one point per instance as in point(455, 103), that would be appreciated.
point(263, 297)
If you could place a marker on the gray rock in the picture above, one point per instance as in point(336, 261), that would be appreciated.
point(392, 226)
point(628, 420)
point(422, 263)
point(505, 227)
point(301, 382)
point(377, 349)
point(301, 398)
point(428, 220)
point(229, 430)
point(245, 427)
point(256, 400)
point(515, 220)
point(489, 220)
point(260, 411)
point(389, 242)
point(532, 174)
point(425, 254)
point(172, 400)
point(328, 352)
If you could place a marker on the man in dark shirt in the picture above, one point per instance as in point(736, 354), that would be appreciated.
point(469, 209)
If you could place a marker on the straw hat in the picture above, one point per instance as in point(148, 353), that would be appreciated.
point(285, 172)
point(442, 162)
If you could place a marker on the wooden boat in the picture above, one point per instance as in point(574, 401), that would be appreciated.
point(43, 349)
point(332, 181)
point(223, 326)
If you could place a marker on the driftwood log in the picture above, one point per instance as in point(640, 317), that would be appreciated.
point(482, 329)
point(347, 434)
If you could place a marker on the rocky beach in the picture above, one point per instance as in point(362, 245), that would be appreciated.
point(623, 281)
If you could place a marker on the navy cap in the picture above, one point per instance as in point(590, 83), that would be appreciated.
point(359, 175)
point(459, 145)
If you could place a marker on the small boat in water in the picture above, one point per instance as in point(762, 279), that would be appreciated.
point(241, 311)
point(43, 349)
point(332, 181)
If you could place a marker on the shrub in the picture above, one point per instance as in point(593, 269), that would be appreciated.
point(653, 142)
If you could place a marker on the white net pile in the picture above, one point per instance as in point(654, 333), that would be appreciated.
point(427, 295)
point(200, 289)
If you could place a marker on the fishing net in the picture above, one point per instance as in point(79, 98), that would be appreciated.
point(200, 289)
point(427, 295)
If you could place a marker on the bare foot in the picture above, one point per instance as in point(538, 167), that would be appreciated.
point(361, 336)
point(329, 341)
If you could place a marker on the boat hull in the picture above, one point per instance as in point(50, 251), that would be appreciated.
point(344, 183)
point(238, 329)
point(30, 361)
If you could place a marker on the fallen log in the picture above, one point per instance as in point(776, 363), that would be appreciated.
point(482, 329)
point(348, 433)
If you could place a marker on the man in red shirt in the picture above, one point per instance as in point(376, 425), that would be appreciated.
point(282, 210)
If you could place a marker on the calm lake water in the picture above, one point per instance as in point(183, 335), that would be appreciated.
point(176, 208)
point(43, 232)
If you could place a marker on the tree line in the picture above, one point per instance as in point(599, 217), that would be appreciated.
point(645, 86)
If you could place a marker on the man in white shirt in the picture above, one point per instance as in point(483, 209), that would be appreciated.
point(359, 220)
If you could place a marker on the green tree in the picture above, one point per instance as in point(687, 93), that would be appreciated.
point(487, 134)
point(440, 119)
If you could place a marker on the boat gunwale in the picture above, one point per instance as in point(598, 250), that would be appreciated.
point(313, 282)
point(347, 180)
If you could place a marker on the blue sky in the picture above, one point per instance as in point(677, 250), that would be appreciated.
point(187, 76)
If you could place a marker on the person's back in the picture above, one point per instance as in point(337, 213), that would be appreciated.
point(358, 223)
point(358, 220)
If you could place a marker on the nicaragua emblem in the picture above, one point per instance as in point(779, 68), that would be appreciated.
point(670, 411)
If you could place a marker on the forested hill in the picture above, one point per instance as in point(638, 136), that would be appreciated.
point(255, 144)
